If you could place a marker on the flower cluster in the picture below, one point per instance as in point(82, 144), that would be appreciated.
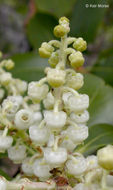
point(45, 141)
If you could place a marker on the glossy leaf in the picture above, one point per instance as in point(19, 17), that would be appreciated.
point(104, 66)
point(29, 66)
point(57, 7)
point(40, 29)
point(86, 21)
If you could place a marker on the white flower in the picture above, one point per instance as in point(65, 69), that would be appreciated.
point(77, 103)
point(66, 96)
point(23, 119)
point(17, 153)
point(75, 82)
point(51, 140)
point(16, 99)
point(49, 101)
point(55, 157)
point(21, 85)
point(27, 166)
point(92, 162)
point(35, 107)
point(80, 118)
point(5, 142)
point(10, 106)
point(68, 144)
point(37, 117)
point(77, 135)
point(36, 92)
point(5, 78)
point(41, 169)
point(39, 135)
point(55, 120)
point(3, 185)
point(76, 166)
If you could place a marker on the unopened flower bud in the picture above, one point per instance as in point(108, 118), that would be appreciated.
point(76, 59)
point(5, 78)
point(21, 85)
point(63, 20)
point(54, 58)
point(36, 92)
point(80, 44)
point(49, 101)
point(45, 50)
point(9, 64)
point(105, 157)
point(56, 77)
point(59, 31)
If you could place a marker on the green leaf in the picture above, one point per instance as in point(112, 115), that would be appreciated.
point(28, 66)
point(57, 7)
point(40, 29)
point(104, 66)
point(86, 21)
point(101, 100)
point(99, 136)
point(2, 173)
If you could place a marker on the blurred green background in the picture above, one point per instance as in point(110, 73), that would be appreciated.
point(25, 24)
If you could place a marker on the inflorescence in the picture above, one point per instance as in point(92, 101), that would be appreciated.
point(44, 141)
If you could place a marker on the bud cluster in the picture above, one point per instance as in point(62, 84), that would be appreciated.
point(45, 141)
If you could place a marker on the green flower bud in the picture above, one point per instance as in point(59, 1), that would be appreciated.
point(63, 20)
point(53, 60)
point(76, 59)
point(9, 64)
point(56, 77)
point(45, 50)
point(105, 157)
point(59, 31)
point(80, 44)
